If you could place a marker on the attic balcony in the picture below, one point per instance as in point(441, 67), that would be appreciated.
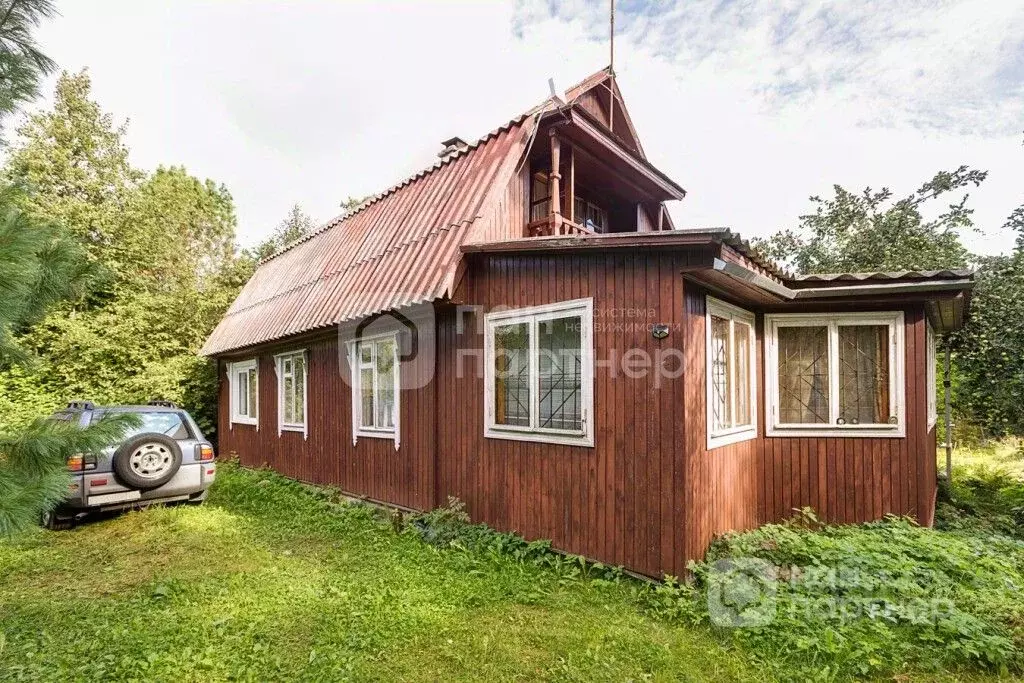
point(583, 181)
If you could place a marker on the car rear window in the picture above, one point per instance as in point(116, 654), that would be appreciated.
point(168, 423)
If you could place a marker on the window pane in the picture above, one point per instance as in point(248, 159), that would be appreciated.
point(560, 369)
point(242, 393)
point(864, 374)
point(512, 375)
point(169, 424)
point(803, 375)
point(288, 398)
point(366, 391)
point(386, 383)
point(743, 334)
point(254, 389)
point(721, 412)
point(300, 394)
point(247, 402)
point(366, 353)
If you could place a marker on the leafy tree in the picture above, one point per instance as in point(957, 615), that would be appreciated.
point(74, 161)
point(990, 348)
point(869, 231)
point(351, 203)
point(166, 242)
point(296, 225)
point(40, 265)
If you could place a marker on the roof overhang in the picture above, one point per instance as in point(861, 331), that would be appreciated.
point(946, 300)
point(578, 126)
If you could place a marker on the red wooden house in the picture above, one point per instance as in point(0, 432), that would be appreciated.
point(520, 326)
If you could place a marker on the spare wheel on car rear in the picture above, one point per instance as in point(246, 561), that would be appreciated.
point(147, 461)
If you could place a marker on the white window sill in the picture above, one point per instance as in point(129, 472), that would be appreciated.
point(252, 421)
point(293, 428)
point(838, 432)
point(586, 441)
point(390, 436)
point(731, 437)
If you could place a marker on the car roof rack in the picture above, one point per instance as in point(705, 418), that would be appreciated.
point(164, 404)
point(81, 405)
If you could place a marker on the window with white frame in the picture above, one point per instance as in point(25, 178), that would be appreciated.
point(243, 378)
point(375, 386)
point(835, 374)
point(292, 391)
point(932, 372)
point(539, 373)
point(731, 379)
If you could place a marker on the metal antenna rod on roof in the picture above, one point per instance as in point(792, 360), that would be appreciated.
point(611, 42)
point(611, 71)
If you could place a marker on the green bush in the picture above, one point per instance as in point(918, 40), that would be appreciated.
point(869, 600)
point(982, 499)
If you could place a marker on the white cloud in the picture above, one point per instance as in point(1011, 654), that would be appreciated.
point(752, 110)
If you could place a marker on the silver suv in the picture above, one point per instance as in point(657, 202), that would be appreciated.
point(165, 459)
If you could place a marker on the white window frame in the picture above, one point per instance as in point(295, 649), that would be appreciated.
point(283, 426)
point(932, 386)
point(355, 364)
point(234, 370)
point(720, 309)
point(532, 316)
point(897, 374)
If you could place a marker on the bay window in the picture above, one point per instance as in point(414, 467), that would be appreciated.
point(291, 392)
point(539, 375)
point(731, 374)
point(243, 381)
point(835, 374)
point(375, 387)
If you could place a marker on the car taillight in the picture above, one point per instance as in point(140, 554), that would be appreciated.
point(81, 462)
point(204, 452)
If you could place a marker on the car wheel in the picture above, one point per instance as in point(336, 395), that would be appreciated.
point(147, 461)
point(54, 522)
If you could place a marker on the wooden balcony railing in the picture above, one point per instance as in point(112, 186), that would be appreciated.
point(549, 226)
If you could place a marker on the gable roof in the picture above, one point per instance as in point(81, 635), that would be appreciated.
point(399, 248)
point(606, 104)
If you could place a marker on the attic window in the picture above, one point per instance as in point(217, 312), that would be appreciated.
point(590, 215)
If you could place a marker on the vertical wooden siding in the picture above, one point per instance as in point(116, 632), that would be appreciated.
point(844, 480)
point(649, 495)
point(620, 501)
point(372, 468)
point(723, 484)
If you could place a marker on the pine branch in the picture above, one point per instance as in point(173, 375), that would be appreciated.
point(33, 465)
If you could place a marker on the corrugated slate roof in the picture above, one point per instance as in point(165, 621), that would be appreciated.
point(886, 276)
point(396, 249)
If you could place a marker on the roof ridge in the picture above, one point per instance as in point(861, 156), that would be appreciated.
point(605, 70)
point(334, 273)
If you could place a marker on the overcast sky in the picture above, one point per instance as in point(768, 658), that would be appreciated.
point(751, 108)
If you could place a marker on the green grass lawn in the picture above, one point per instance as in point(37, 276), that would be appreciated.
point(272, 580)
point(1006, 455)
point(269, 582)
